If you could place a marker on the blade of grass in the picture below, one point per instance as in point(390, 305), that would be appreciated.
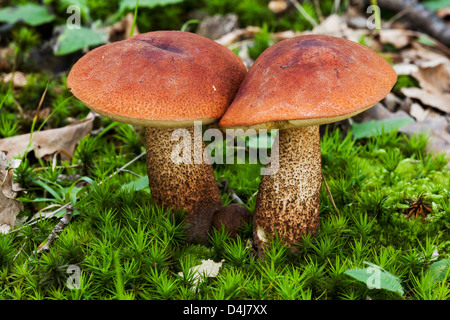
point(134, 19)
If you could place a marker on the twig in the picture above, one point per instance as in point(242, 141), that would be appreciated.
point(57, 167)
point(56, 232)
point(329, 194)
point(131, 172)
point(126, 165)
point(24, 243)
point(397, 16)
point(233, 195)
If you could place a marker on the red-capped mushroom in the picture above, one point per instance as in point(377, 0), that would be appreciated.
point(295, 86)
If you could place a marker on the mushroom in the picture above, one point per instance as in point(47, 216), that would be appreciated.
point(295, 86)
point(164, 81)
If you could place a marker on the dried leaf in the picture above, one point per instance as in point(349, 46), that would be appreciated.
point(208, 268)
point(432, 71)
point(333, 25)
point(406, 68)
point(421, 114)
point(278, 6)
point(380, 112)
point(19, 79)
point(9, 207)
point(438, 100)
point(238, 35)
point(399, 38)
point(48, 142)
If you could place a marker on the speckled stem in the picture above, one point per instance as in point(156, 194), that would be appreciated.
point(189, 186)
point(288, 201)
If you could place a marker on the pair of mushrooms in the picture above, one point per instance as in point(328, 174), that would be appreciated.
point(166, 80)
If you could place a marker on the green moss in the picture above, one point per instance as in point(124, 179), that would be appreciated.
point(127, 248)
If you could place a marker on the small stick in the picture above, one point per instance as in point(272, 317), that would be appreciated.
point(57, 167)
point(20, 250)
point(126, 165)
point(235, 197)
point(56, 232)
point(131, 172)
point(329, 194)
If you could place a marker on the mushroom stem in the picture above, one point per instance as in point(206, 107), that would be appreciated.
point(171, 184)
point(288, 201)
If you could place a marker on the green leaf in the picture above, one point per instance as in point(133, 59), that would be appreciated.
point(50, 190)
point(440, 269)
point(426, 40)
point(187, 23)
point(72, 40)
point(374, 128)
point(36, 200)
point(436, 4)
point(376, 277)
point(131, 4)
point(31, 14)
point(136, 185)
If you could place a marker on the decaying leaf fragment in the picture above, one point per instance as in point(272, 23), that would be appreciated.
point(9, 207)
point(208, 268)
point(432, 71)
point(48, 142)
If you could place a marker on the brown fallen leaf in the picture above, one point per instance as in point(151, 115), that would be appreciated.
point(46, 143)
point(19, 79)
point(9, 207)
point(379, 112)
point(238, 35)
point(278, 6)
point(436, 99)
point(432, 71)
point(421, 114)
point(216, 26)
point(399, 38)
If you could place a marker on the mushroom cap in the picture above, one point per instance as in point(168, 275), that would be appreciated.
point(309, 80)
point(165, 79)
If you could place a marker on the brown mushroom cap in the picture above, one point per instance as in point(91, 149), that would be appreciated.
point(309, 80)
point(158, 79)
